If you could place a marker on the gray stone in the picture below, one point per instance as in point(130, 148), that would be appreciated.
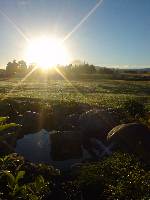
point(65, 145)
point(97, 123)
point(30, 121)
point(71, 122)
point(133, 138)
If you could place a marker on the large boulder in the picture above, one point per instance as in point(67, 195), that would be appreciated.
point(71, 122)
point(133, 138)
point(30, 122)
point(97, 123)
point(65, 145)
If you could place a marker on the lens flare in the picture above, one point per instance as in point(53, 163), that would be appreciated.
point(47, 52)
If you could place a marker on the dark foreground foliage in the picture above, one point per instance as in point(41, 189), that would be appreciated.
point(117, 177)
point(120, 176)
point(20, 179)
point(135, 108)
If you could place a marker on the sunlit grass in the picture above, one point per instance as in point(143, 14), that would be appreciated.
point(107, 93)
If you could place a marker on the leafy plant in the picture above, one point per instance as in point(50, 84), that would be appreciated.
point(35, 190)
point(120, 176)
point(15, 189)
point(7, 126)
point(134, 108)
point(3, 119)
point(4, 125)
point(25, 180)
point(38, 189)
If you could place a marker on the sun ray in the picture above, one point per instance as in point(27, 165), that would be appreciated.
point(83, 20)
point(18, 84)
point(68, 81)
point(18, 29)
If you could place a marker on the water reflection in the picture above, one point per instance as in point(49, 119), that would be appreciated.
point(37, 148)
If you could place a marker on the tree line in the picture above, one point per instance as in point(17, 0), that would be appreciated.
point(18, 68)
point(21, 68)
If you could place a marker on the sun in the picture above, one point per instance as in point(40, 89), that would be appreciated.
point(47, 52)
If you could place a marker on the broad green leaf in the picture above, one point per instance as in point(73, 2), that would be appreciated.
point(18, 190)
point(15, 190)
point(39, 182)
point(10, 179)
point(6, 126)
point(20, 175)
point(33, 197)
point(3, 119)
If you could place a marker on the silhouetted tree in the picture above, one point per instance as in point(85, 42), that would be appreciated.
point(22, 66)
point(12, 68)
point(84, 68)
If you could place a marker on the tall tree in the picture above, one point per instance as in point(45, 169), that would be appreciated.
point(12, 67)
point(22, 66)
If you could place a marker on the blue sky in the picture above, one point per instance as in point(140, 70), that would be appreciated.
point(116, 34)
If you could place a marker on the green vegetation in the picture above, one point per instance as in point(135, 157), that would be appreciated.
point(107, 93)
point(23, 180)
point(54, 99)
point(119, 176)
point(5, 127)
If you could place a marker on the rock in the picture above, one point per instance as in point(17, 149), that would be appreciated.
point(65, 145)
point(133, 138)
point(71, 122)
point(96, 123)
point(72, 145)
point(30, 121)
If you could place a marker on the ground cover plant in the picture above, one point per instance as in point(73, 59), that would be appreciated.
point(120, 176)
point(104, 92)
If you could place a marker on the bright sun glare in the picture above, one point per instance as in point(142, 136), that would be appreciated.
point(47, 52)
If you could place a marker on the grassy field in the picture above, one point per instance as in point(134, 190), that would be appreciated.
point(105, 93)
point(54, 101)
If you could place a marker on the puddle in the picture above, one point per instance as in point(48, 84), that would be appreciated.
point(37, 148)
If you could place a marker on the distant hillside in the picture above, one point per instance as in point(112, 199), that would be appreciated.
point(139, 70)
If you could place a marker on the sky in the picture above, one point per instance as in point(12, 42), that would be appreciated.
point(116, 34)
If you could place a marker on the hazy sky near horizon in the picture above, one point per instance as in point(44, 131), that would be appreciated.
point(117, 33)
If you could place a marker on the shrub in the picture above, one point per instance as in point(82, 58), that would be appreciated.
point(117, 177)
point(4, 125)
point(20, 179)
point(134, 108)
